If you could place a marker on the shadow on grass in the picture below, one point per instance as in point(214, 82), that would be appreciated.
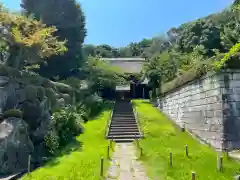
point(73, 146)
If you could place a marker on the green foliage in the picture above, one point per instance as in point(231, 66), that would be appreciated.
point(201, 32)
point(28, 41)
point(93, 104)
point(67, 98)
point(69, 20)
point(51, 95)
point(233, 51)
point(40, 93)
point(73, 82)
point(67, 124)
point(51, 141)
point(100, 74)
point(145, 48)
point(198, 70)
point(31, 92)
point(12, 113)
point(133, 77)
point(79, 160)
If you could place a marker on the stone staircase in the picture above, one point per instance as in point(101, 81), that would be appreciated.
point(123, 126)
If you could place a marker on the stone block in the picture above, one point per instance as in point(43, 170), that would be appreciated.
point(235, 76)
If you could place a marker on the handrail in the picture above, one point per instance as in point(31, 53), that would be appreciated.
point(109, 122)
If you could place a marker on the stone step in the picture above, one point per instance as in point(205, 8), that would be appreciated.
point(123, 133)
point(123, 122)
point(123, 114)
point(124, 140)
point(117, 117)
point(124, 130)
point(123, 119)
point(134, 131)
point(123, 125)
point(125, 136)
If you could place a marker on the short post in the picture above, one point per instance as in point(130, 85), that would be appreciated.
point(101, 171)
point(193, 175)
point(108, 154)
point(219, 163)
point(170, 158)
point(111, 141)
point(29, 163)
point(141, 152)
point(183, 127)
point(186, 150)
point(227, 153)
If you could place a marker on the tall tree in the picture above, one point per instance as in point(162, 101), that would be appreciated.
point(67, 16)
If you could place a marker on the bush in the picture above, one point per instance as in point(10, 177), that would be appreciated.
point(67, 98)
point(41, 93)
point(13, 113)
point(67, 124)
point(192, 74)
point(51, 140)
point(51, 96)
point(31, 92)
point(94, 104)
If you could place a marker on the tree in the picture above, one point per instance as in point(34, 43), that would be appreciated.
point(27, 41)
point(102, 75)
point(67, 16)
point(152, 70)
point(200, 32)
point(89, 50)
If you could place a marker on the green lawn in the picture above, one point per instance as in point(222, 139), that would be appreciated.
point(83, 163)
point(161, 138)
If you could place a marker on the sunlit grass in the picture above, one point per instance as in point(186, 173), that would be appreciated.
point(161, 138)
point(83, 163)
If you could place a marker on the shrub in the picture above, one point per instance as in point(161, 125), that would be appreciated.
point(13, 113)
point(51, 140)
point(64, 88)
point(31, 92)
point(93, 104)
point(41, 93)
point(49, 92)
point(67, 98)
point(67, 124)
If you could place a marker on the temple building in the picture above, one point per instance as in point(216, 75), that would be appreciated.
point(135, 89)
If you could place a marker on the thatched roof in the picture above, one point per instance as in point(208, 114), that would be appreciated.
point(129, 65)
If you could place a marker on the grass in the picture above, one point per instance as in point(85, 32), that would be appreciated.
point(161, 138)
point(83, 162)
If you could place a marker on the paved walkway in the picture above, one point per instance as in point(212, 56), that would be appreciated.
point(124, 165)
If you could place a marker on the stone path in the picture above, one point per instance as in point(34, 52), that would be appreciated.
point(124, 164)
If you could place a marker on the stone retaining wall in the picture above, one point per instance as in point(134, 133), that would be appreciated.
point(209, 108)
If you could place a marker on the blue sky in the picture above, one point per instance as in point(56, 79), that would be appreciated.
point(119, 22)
